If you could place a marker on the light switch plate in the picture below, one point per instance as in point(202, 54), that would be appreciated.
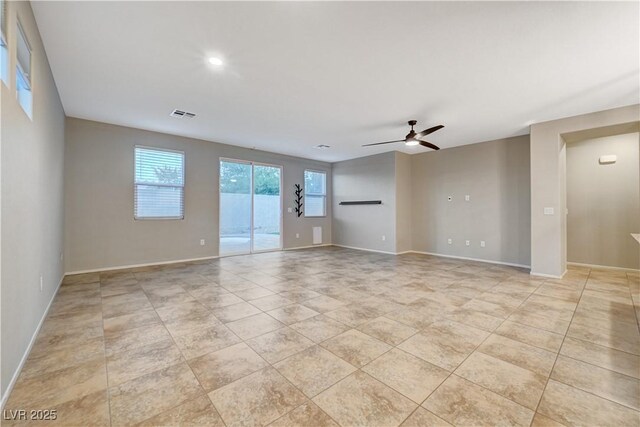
point(548, 211)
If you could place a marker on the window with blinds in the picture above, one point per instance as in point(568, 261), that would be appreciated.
point(315, 193)
point(159, 184)
point(23, 72)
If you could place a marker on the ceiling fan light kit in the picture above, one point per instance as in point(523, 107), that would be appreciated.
point(412, 137)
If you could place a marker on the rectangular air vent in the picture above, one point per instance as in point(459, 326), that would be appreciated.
point(180, 114)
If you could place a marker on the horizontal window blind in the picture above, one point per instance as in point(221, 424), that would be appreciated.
point(159, 184)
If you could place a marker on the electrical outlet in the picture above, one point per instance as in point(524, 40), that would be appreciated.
point(467, 198)
point(467, 242)
point(61, 256)
point(201, 242)
point(449, 241)
point(290, 210)
point(482, 245)
point(41, 283)
point(297, 235)
point(384, 238)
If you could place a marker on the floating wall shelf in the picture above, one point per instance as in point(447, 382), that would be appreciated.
point(363, 202)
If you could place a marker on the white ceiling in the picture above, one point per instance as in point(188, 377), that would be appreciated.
point(343, 74)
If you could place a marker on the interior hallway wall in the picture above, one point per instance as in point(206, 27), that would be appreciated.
point(604, 201)
point(32, 156)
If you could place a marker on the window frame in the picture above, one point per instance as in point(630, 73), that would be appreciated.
point(136, 184)
point(324, 196)
point(20, 72)
point(4, 46)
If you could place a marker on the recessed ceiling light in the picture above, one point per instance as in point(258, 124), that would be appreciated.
point(215, 61)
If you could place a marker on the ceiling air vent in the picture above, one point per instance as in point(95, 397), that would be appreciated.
point(321, 146)
point(180, 114)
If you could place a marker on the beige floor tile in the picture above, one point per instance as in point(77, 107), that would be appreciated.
point(131, 339)
point(53, 360)
point(191, 324)
point(323, 303)
point(423, 418)
point(205, 341)
point(619, 328)
point(271, 302)
point(152, 394)
point(351, 315)
point(305, 415)
point(131, 321)
point(355, 347)
point(222, 367)
point(542, 421)
point(445, 344)
point(572, 407)
point(195, 412)
point(360, 400)
point(524, 355)
point(415, 318)
point(320, 328)
point(387, 330)
point(292, 313)
point(280, 344)
point(257, 399)
point(605, 357)
point(254, 293)
point(476, 319)
point(464, 403)
point(540, 321)
point(314, 370)
point(65, 339)
point(529, 335)
point(599, 381)
point(130, 364)
point(515, 383)
point(181, 311)
point(167, 295)
point(624, 342)
point(64, 385)
point(413, 377)
point(233, 312)
point(252, 326)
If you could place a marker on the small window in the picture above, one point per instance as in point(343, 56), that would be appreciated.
point(23, 73)
point(159, 184)
point(315, 193)
point(4, 51)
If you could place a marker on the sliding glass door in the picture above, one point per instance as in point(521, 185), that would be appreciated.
point(250, 207)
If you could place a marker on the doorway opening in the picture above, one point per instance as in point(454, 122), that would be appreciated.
point(250, 207)
point(603, 197)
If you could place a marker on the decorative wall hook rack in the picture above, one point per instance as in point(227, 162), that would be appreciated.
point(298, 200)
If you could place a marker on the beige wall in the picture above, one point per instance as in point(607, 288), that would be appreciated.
point(100, 229)
point(362, 226)
point(548, 184)
point(32, 162)
point(495, 174)
point(603, 201)
point(404, 203)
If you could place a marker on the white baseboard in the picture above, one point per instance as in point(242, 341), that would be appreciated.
point(488, 261)
point(548, 276)
point(16, 374)
point(308, 247)
point(150, 264)
point(365, 249)
point(604, 267)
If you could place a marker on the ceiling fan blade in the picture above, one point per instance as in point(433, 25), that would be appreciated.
point(429, 145)
point(428, 131)
point(380, 143)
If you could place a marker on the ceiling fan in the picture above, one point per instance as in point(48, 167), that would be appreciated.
point(412, 137)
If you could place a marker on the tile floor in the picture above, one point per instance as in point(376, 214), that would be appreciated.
point(330, 336)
